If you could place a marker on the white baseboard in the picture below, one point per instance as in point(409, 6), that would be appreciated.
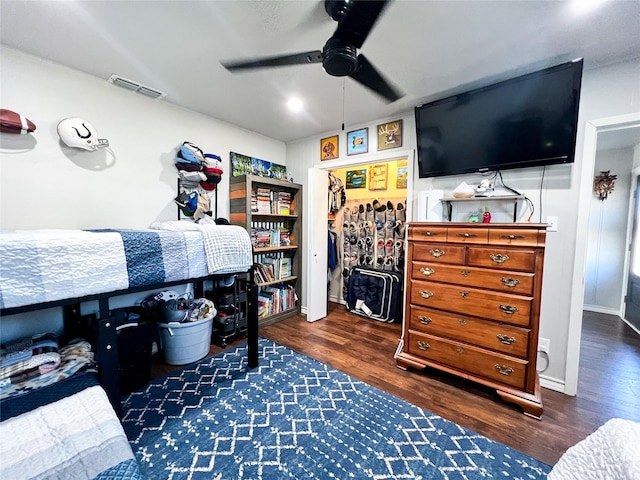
point(335, 299)
point(597, 309)
point(552, 383)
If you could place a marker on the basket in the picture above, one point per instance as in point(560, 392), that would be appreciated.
point(185, 342)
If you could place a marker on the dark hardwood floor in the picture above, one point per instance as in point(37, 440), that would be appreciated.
point(609, 379)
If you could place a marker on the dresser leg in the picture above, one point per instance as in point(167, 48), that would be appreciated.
point(530, 404)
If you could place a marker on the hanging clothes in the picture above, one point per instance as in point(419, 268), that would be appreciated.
point(332, 254)
point(337, 194)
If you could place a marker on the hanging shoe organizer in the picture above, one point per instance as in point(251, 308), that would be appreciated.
point(373, 235)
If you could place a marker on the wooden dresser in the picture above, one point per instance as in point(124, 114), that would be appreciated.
point(473, 305)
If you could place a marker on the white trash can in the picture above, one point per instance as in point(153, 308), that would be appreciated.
point(186, 342)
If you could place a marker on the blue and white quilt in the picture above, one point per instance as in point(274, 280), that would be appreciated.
point(38, 266)
point(78, 436)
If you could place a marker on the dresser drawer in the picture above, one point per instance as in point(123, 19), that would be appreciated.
point(503, 307)
point(468, 235)
point(426, 233)
point(439, 252)
point(512, 282)
point(495, 336)
point(518, 237)
point(495, 366)
point(504, 258)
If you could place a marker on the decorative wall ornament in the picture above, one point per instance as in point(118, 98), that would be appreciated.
point(358, 141)
point(390, 135)
point(329, 148)
point(604, 184)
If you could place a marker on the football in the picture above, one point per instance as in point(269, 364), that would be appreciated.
point(12, 122)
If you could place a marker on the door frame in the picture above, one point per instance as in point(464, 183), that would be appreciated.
point(592, 128)
point(319, 224)
point(635, 172)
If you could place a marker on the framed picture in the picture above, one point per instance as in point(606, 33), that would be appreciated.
point(329, 148)
point(358, 141)
point(356, 178)
point(390, 135)
point(378, 177)
point(401, 180)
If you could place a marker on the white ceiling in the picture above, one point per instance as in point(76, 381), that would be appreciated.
point(427, 48)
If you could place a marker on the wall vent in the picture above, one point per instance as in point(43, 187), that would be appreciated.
point(135, 86)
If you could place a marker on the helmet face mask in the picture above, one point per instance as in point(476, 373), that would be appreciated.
point(78, 133)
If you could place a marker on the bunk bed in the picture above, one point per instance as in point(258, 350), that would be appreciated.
point(43, 269)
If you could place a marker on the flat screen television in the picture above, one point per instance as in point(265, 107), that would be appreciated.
point(525, 121)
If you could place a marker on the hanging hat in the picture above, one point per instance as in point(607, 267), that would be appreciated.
point(195, 151)
point(189, 167)
point(212, 161)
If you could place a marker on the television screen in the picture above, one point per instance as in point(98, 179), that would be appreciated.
point(526, 121)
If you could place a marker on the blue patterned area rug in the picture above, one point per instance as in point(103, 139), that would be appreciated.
point(294, 417)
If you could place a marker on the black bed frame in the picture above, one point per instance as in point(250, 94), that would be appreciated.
point(104, 328)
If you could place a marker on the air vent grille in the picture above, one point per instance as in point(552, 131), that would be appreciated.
point(135, 86)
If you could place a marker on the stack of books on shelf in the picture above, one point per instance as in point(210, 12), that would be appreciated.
point(284, 238)
point(276, 299)
point(270, 237)
point(263, 201)
point(260, 237)
point(272, 269)
point(283, 203)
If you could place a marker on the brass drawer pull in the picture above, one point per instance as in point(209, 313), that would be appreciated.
point(462, 321)
point(506, 339)
point(499, 258)
point(512, 237)
point(466, 235)
point(465, 273)
point(510, 282)
point(425, 293)
point(464, 294)
point(429, 234)
point(435, 252)
point(508, 309)
point(424, 320)
point(423, 345)
point(459, 349)
point(427, 271)
point(504, 370)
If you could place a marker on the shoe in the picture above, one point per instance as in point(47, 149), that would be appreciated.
point(181, 199)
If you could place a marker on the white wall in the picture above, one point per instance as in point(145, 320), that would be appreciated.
point(608, 91)
point(45, 184)
point(607, 236)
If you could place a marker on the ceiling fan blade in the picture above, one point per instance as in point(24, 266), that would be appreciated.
point(314, 56)
point(367, 75)
point(354, 28)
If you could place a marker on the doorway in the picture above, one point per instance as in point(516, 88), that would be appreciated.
point(592, 130)
point(632, 298)
point(317, 274)
point(610, 222)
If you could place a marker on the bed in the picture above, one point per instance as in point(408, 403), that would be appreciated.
point(611, 452)
point(42, 269)
point(51, 268)
point(38, 436)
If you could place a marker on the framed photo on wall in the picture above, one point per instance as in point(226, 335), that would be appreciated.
point(378, 177)
point(401, 180)
point(390, 135)
point(358, 141)
point(356, 178)
point(329, 148)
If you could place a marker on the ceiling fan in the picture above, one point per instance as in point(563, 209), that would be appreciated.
point(339, 56)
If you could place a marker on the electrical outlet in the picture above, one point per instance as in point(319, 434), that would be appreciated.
point(544, 344)
point(553, 224)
